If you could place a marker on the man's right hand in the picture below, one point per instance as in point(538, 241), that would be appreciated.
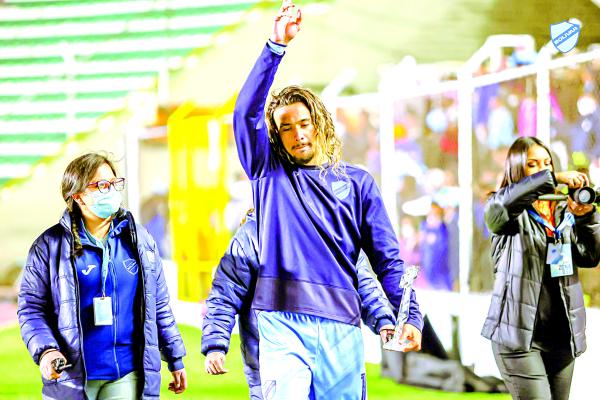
point(46, 368)
point(287, 23)
point(385, 332)
point(215, 363)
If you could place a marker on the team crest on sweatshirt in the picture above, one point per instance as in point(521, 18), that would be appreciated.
point(341, 189)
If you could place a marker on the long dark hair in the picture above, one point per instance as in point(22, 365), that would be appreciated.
point(516, 159)
point(78, 174)
point(329, 146)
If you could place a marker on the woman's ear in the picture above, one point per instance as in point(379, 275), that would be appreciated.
point(77, 199)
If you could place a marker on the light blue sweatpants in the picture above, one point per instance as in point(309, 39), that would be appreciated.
point(307, 357)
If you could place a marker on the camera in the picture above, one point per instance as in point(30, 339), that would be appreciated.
point(585, 195)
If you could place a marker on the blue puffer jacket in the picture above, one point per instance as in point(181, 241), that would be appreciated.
point(233, 290)
point(48, 311)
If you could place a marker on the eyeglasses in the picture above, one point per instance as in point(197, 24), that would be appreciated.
point(104, 186)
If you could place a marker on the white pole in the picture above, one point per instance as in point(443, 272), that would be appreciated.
point(387, 148)
point(132, 164)
point(466, 87)
point(330, 94)
point(543, 93)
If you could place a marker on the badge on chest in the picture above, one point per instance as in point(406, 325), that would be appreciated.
point(103, 311)
point(560, 260)
point(558, 254)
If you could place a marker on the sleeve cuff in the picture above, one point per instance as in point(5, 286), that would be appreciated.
point(176, 365)
point(48, 350)
point(276, 48)
point(217, 345)
point(215, 351)
point(417, 323)
point(381, 322)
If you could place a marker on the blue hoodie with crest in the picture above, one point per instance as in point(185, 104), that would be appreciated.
point(312, 224)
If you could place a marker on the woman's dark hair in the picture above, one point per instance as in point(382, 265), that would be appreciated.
point(77, 176)
point(516, 159)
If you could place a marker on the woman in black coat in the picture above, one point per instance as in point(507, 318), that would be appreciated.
point(536, 320)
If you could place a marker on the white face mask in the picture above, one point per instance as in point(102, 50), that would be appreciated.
point(105, 204)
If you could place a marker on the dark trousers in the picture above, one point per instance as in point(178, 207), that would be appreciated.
point(535, 374)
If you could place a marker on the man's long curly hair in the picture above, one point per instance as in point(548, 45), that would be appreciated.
point(328, 149)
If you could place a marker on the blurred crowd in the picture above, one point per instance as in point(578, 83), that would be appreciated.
point(426, 160)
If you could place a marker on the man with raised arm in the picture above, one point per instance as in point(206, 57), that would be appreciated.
point(314, 214)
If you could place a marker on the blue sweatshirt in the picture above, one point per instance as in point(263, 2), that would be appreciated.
point(233, 289)
point(110, 351)
point(311, 226)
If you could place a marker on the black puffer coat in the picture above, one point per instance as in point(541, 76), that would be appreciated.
point(519, 255)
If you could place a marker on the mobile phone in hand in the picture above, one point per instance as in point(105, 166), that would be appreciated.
point(60, 364)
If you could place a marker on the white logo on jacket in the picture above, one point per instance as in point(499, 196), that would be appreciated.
point(88, 270)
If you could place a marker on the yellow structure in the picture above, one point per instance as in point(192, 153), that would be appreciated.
point(198, 194)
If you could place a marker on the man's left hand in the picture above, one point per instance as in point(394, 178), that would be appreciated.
point(412, 337)
point(179, 383)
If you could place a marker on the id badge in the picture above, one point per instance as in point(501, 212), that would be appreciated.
point(560, 260)
point(103, 311)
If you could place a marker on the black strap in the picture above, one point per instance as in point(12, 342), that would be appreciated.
point(132, 230)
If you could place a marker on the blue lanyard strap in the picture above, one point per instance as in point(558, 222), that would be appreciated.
point(568, 220)
point(105, 257)
point(104, 270)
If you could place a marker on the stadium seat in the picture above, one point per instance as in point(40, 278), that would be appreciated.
point(65, 63)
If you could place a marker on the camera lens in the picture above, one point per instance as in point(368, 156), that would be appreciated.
point(584, 195)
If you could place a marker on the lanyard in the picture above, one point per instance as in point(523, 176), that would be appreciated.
point(105, 257)
point(104, 269)
point(568, 220)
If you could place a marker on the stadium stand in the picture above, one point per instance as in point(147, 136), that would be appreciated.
point(65, 63)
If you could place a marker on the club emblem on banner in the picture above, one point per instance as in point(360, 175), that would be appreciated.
point(564, 35)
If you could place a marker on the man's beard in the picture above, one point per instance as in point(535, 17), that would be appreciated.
point(307, 158)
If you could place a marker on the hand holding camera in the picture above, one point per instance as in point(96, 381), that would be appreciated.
point(581, 197)
point(573, 179)
point(579, 209)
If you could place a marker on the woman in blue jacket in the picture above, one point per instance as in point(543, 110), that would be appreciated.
point(94, 297)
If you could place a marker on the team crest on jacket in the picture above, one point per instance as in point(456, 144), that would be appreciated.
point(131, 266)
point(341, 189)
